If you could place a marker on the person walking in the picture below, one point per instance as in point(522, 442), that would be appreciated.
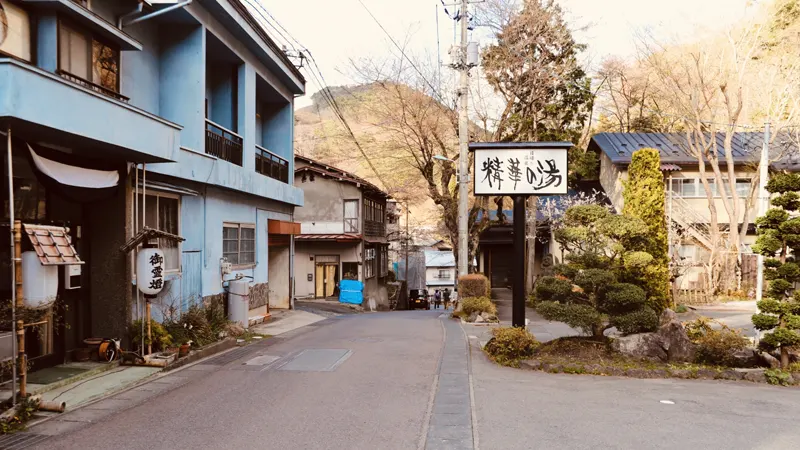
point(454, 299)
point(446, 297)
point(437, 299)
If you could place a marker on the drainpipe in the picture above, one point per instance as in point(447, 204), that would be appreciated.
point(13, 272)
point(136, 11)
point(159, 12)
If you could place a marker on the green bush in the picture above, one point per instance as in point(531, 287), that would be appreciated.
point(162, 340)
point(583, 317)
point(553, 289)
point(509, 345)
point(623, 297)
point(478, 305)
point(778, 377)
point(718, 346)
point(637, 321)
point(474, 285)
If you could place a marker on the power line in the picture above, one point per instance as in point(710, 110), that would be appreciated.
point(403, 53)
point(324, 89)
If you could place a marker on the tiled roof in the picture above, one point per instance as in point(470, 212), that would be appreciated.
point(674, 147)
point(53, 245)
point(333, 172)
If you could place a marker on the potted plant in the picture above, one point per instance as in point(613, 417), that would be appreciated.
point(184, 349)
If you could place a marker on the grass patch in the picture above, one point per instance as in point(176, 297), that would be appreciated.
point(250, 336)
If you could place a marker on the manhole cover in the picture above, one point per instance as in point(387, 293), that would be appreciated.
point(317, 360)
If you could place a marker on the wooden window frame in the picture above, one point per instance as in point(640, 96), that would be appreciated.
point(369, 262)
point(154, 195)
point(239, 226)
point(32, 25)
point(91, 38)
point(345, 218)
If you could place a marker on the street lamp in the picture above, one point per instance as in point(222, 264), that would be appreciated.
point(462, 176)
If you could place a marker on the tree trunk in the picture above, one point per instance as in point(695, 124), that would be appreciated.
point(530, 242)
point(784, 357)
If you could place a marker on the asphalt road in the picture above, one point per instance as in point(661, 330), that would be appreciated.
point(381, 397)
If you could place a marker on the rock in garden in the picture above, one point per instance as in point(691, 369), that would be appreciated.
point(746, 358)
point(479, 319)
point(755, 375)
point(234, 329)
point(472, 317)
point(666, 317)
point(532, 364)
point(669, 344)
point(768, 360)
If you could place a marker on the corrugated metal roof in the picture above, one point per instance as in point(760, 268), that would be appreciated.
point(53, 245)
point(328, 237)
point(674, 148)
point(439, 259)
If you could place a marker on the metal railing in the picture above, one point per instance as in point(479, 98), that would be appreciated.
point(689, 218)
point(271, 165)
point(223, 143)
point(89, 85)
point(372, 228)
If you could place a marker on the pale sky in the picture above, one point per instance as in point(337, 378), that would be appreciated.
point(337, 30)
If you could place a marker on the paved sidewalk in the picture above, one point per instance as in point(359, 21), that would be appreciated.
point(544, 330)
point(451, 419)
point(283, 321)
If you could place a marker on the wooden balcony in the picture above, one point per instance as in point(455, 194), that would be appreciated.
point(372, 228)
point(223, 143)
point(271, 165)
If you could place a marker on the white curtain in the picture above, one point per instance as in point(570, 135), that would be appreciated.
point(73, 175)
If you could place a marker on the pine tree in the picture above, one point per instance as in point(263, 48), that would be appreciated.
point(644, 199)
point(779, 240)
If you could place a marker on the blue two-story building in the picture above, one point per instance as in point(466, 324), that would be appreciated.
point(173, 115)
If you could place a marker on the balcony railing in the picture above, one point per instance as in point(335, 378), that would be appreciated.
point(223, 143)
point(95, 87)
point(372, 228)
point(271, 165)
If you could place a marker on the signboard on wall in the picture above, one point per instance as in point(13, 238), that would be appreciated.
point(514, 169)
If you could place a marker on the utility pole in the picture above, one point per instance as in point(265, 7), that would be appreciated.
point(463, 145)
point(763, 203)
point(408, 237)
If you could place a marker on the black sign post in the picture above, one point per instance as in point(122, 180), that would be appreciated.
point(519, 170)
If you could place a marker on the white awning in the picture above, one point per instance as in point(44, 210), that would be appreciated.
point(73, 175)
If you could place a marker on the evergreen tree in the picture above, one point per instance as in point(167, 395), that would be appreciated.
point(644, 199)
point(779, 240)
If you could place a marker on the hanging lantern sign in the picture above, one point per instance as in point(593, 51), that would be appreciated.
point(150, 271)
point(39, 282)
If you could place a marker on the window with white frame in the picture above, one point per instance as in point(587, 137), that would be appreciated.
point(15, 31)
point(369, 263)
point(694, 188)
point(162, 211)
point(444, 274)
point(239, 243)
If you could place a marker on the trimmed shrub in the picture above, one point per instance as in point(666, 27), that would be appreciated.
point(583, 317)
point(509, 345)
point(718, 346)
point(478, 305)
point(623, 297)
point(474, 285)
point(638, 321)
point(644, 199)
point(553, 288)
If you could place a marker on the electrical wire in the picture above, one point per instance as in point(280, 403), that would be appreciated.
point(403, 53)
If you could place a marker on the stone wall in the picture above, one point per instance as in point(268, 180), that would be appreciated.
point(259, 295)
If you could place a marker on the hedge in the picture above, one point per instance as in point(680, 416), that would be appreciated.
point(474, 285)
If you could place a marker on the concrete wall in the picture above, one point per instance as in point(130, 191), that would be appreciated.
point(431, 274)
point(323, 212)
point(305, 265)
point(611, 179)
point(279, 277)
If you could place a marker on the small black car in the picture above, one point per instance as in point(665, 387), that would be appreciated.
point(418, 299)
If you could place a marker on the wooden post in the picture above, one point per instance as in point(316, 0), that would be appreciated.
point(149, 333)
point(21, 360)
point(23, 367)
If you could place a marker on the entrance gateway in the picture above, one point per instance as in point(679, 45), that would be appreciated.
point(518, 170)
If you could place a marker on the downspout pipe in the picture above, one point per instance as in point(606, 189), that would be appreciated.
point(158, 13)
point(138, 10)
